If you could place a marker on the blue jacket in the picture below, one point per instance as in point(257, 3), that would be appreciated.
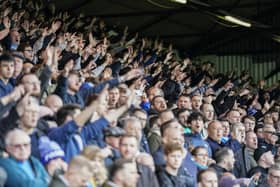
point(18, 177)
point(81, 96)
point(5, 89)
point(214, 145)
point(195, 140)
point(65, 136)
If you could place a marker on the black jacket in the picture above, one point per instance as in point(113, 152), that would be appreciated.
point(181, 180)
point(242, 165)
point(147, 177)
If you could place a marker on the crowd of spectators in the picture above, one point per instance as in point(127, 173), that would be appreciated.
point(86, 104)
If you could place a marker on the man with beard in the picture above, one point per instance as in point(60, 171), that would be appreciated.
point(129, 148)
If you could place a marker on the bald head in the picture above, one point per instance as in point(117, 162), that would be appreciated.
point(54, 102)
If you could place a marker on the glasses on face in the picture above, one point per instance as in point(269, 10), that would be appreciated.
point(275, 177)
point(202, 155)
point(22, 145)
point(33, 83)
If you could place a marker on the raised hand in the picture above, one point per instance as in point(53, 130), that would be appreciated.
point(134, 73)
point(6, 22)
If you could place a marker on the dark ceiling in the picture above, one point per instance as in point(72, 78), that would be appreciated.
point(193, 27)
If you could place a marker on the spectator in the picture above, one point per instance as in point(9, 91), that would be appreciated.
point(249, 122)
point(233, 116)
point(201, 157)
point(244, 157)
point(215, 133)
point(265, 160)
point(6, 72)
point(207, 177)
point(123, 173)
point(22, 169)
point(129, 148)
point(194, 139)
point(273, 176)
point(224, 161)
point(196, 102)
point(96, 158)
point(78, 173)
point(269, 139)
point(170, 176)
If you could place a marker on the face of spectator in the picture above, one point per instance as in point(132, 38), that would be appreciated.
point(18, 66)
point(129, 175)
point(209, 179)
point(230, 160)
point(260, 133)
point(173, 135)
point(275, 116)
point(184, 102)
point(208, 111)
point(74, 83)
point(30, 116)
point(19, 147)
point(196, 102)
point(226, 128)
point(251, 140)
point(142, 117)
point(128, 147)
point(134, 127)
point(215, 131)
point(32, 84)
point(6, 70)
point(197, 125)
point(274, 178)
point(201, 157)
point(114, 95)
point(268, 158)
point(28, 53)
point(269, 134)
point(234, 117)
point(174, 159)
point(249, 124)
point(159, 104)
point(183, 118)
point(15, 37)
point(106, 74)
point(79, 177)
point(240, 131)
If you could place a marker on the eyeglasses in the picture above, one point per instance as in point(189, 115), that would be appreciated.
point(19, 146)
point(34, 83)
point(202, 155)
point(275, 177)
